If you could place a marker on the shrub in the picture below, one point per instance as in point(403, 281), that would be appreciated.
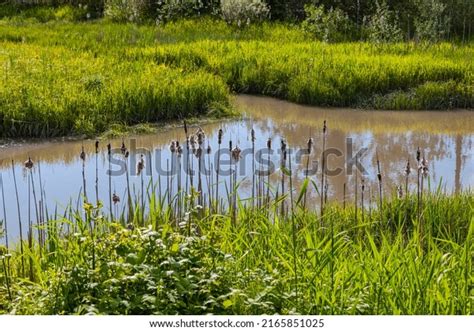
point(384, 26)
point(328, 25)
point(431, 23)
point(127, 10)
point(174, 9)
point(244, 12)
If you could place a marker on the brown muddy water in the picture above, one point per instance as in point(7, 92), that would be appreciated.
point(445, 139)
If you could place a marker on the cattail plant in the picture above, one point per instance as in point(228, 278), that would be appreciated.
point(235, 157)
point(220, 134)
point(83, 158)
point(308, 151)
point(252, 139)
point(97, 172)
point(323, 169)
point(29, 166)
point(116, 200)
point(179, 153)
point(269, 147)
point(418, 161)
point(129, 195)
point(4, 212)
point(19, 221)
point(109, 155)
point(379, 178)
point(208, 174)
point(283, 169)
point(407, 175)
point(140, 168)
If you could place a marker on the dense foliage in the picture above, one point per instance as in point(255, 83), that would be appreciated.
point(73, 78)
point(251, 263)
point(429, 20)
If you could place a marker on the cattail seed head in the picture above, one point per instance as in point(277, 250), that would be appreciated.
point(96, 146)
point(109, 148)
point(173, 147)
point(399, 192)
point(363, 184)
point(236, 153)
point(230, 146)
point(407, 168)
point(283, 145)
point(200, 136)
point(424, 167)
point(418, 154)
point(140, 165)
point(252, 135)
point(269, 143)
point(115, 198)
point(310, 145)
point(325, 128)
point(209, 150)
point(29, 163)
point(82, 155)
point(123, 149)
point(179, 150)
point(198, 152)
point(219, 136)
point(127, 154)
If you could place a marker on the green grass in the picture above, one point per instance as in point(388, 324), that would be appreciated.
point(390, 263)
point(61, 78)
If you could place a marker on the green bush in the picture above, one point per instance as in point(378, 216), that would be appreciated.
point(243, 12)
point(128, 10)
point(174, 9)
point(331, 25)
point(431, 24)
point(383, 26)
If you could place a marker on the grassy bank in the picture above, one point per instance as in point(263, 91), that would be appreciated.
point(345, 263)
point(61, 78)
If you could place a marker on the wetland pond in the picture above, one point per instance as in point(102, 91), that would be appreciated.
point(444, 137)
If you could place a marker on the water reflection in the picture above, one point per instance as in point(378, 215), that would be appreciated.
point(445, 138)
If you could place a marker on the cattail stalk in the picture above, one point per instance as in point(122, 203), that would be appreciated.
point(219, 142)
point(4, 212)
point(19, 222)
point(379, 178)
point(97, 172)
point(323, 170)
point(109, 155)
point(252, 138)
point(310, 148)
point(269, 146)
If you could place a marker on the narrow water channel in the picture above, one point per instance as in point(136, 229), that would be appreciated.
point(445, 139)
